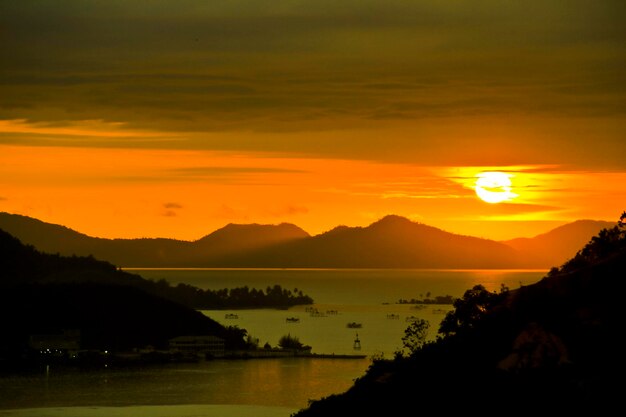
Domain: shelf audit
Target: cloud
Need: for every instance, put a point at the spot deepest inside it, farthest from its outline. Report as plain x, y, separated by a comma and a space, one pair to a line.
211, 171
171, 209
507, 209
317, 66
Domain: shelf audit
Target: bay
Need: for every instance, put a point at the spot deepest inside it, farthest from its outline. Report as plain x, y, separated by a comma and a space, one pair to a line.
277, 386
350, 286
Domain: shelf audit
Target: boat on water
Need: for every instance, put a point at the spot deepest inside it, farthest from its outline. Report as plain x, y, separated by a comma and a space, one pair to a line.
231, 316
314, 312
292, 319
393, 316
354, 325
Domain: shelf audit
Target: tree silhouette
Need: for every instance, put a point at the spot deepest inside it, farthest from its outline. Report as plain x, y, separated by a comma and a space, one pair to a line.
290, 342
469, 310
414, 337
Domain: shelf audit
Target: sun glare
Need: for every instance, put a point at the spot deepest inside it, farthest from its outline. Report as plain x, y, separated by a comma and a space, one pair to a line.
494, 187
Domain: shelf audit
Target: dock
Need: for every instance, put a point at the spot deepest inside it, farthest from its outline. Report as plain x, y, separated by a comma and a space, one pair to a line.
263, 354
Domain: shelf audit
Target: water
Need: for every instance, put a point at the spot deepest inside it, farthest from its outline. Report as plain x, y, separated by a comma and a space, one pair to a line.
260, 387
350, 286
287, 382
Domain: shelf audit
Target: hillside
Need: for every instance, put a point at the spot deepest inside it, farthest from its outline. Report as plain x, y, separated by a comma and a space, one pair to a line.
550, 347
559, 244
158, 252
392, 242
21, 264
42, 293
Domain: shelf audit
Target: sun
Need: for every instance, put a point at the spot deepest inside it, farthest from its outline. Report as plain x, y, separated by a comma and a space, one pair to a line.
494, 187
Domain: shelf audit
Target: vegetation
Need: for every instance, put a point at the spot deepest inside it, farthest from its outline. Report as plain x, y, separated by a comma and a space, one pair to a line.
109, 317
290, 342
606, 243
20, 264
439, 299
550, 347
46, 294
240, 297
414, 337
470, 309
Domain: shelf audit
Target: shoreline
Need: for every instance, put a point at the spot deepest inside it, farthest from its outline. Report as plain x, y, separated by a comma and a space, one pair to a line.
116, 361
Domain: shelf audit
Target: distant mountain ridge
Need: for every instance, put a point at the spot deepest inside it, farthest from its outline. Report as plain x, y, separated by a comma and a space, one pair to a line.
391, 242
560, 243
149, 252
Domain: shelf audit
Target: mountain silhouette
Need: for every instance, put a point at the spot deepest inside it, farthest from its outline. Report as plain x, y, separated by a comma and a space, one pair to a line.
557, 245
391, 242
158, 252
553, 347
43, 294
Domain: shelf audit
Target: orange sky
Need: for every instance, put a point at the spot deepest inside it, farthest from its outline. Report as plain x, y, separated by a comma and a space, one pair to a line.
186, 194
121, 120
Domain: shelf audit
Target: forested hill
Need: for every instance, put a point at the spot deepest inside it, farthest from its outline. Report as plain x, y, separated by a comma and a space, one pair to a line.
45, 294
549, 348
24, 264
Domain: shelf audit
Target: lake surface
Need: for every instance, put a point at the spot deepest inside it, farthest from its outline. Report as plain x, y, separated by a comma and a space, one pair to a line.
258, 387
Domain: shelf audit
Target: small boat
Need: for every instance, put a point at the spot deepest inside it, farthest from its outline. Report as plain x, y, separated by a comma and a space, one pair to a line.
292, 319
439, 311
316, 313
393, 316
354, 325
412, 318
231, 316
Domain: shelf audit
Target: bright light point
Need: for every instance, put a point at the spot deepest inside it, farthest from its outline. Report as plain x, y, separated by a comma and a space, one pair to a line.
494, 187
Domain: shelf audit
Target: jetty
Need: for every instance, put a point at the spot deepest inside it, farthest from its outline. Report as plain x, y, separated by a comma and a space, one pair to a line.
286, 353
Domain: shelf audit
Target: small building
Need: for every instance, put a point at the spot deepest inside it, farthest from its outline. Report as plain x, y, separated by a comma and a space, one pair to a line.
56, 344
207, 345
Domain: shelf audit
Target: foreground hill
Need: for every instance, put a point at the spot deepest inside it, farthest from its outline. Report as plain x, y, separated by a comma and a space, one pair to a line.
45, 294
551, 347
392, 242
20, 264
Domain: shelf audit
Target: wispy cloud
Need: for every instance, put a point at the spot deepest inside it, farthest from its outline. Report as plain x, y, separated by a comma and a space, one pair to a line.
317, 66
171, 209
90, 128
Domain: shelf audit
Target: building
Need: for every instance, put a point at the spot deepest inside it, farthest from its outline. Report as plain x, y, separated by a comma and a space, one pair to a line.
56, 344
207, 345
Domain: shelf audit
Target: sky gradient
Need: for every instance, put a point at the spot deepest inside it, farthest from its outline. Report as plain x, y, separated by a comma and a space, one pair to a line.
173, 118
